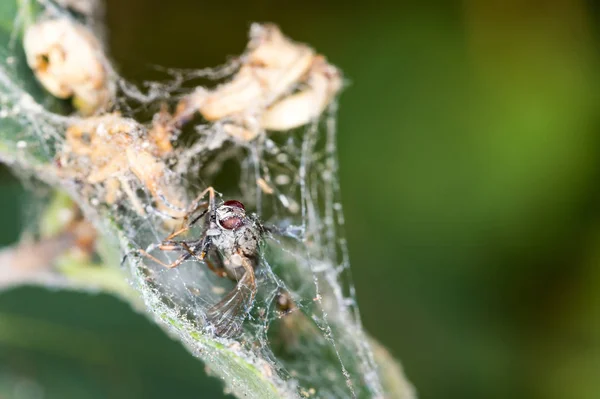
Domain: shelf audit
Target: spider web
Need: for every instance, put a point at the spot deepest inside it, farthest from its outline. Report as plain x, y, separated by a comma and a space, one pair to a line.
289, 180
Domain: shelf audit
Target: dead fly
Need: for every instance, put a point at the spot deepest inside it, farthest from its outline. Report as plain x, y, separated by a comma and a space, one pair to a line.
229, 246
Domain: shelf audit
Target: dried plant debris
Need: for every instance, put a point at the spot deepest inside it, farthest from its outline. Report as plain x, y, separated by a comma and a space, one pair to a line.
279, 86
84, 7
68, 61
106, 153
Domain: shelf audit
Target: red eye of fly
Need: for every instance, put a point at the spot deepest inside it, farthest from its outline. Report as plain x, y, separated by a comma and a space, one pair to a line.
232, 223
235, 204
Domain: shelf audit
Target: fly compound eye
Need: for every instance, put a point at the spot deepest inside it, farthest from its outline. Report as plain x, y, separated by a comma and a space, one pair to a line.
235, 204
232, 223
233, 215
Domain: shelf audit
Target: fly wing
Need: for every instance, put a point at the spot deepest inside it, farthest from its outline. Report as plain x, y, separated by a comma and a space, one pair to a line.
228, 315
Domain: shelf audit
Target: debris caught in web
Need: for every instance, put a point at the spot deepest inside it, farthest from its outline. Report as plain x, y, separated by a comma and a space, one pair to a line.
263, 134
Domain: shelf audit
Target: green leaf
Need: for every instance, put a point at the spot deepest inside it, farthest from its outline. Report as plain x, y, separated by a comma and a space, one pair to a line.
25, 104
31, 126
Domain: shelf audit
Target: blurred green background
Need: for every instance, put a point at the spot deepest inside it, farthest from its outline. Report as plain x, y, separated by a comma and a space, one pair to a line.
469, 149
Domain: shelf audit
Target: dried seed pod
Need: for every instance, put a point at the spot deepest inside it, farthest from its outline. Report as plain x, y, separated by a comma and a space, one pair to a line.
68, 61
